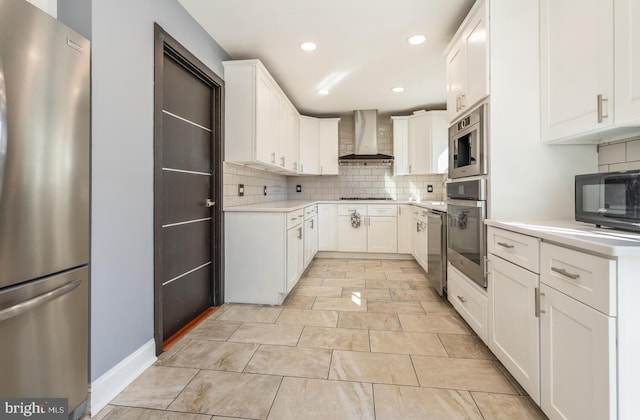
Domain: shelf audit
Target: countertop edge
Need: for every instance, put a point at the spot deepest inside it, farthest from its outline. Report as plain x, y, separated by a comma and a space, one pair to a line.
579, 235
293, 205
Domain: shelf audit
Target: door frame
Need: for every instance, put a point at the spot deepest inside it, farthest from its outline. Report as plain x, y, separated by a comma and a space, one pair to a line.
164, 44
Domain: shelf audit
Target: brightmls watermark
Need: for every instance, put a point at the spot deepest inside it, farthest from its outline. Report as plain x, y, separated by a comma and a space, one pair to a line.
34, 408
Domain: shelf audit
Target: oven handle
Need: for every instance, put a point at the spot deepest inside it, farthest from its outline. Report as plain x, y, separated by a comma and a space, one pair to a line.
466, 203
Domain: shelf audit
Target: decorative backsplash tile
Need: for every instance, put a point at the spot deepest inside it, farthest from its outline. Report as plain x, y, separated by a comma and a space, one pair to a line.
367, 181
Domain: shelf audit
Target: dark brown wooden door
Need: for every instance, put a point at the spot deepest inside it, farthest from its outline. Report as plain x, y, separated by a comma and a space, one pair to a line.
187, 160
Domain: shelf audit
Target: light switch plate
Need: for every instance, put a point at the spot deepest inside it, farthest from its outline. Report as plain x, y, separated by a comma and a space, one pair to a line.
298, 188
240, 190
430, 188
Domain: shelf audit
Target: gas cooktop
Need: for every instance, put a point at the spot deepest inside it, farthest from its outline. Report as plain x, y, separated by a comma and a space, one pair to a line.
367, 198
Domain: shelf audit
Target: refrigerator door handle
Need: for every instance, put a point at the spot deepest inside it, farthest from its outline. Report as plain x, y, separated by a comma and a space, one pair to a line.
3, 126
22, 307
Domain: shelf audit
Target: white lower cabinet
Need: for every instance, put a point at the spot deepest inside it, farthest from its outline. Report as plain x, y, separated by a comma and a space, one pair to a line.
352, 237
420, 239
468, 300
578, 359
310, 236
295, 255
382, 234
328, 222
405, 229
513, 322
255, 273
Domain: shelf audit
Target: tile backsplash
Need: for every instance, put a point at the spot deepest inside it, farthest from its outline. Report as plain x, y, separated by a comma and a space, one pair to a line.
367, 181
352, 181
623, 156
254, 181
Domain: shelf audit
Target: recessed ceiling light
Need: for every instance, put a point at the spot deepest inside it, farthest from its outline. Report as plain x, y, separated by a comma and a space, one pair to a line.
308, 46
417, 39
323, 92
397, 89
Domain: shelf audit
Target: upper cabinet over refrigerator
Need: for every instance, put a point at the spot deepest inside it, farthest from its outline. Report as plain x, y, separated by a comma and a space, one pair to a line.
590, 79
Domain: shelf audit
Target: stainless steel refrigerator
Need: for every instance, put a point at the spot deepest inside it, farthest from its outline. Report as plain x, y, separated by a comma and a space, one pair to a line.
44, 206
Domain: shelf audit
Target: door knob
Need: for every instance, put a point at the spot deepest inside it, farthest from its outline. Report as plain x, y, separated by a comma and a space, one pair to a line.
209, 203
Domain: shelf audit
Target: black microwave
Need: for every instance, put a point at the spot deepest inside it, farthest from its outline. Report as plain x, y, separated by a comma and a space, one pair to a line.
609, 199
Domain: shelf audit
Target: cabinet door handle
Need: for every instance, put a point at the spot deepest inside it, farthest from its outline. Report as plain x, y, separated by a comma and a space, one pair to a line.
461, 299
311, 223
409, 168
601, 115
565, 273
273, 158
537, 295
282, 161
506, 245
302, 168
399, 211
299, 233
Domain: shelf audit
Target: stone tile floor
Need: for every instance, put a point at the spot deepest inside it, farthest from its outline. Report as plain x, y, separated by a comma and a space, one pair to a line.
356, 339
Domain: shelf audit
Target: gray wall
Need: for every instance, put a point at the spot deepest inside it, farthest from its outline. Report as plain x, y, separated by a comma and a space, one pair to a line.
122, 36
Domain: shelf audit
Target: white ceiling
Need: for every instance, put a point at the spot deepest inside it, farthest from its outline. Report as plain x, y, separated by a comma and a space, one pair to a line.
362, 48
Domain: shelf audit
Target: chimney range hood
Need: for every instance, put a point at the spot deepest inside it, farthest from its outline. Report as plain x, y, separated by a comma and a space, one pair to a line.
366, 140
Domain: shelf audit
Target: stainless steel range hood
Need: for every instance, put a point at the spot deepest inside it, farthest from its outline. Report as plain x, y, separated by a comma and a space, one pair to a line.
366, 140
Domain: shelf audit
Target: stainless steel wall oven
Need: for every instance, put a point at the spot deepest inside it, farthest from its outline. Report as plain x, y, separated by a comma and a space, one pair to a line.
468, 144
466, 212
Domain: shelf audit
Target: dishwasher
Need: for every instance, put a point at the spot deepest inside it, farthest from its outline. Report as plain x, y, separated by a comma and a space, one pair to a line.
437, 250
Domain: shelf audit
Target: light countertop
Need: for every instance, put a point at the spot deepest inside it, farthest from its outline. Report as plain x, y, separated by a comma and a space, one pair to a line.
614, 243
292, 205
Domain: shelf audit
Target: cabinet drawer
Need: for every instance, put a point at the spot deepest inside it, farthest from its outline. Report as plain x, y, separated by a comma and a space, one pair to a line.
587, 278
348, 209
519, 249
382, 210
470, 303
294, 218
310, 211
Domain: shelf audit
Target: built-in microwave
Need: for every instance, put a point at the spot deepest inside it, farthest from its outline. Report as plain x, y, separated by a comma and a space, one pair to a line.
609, 199
468, 144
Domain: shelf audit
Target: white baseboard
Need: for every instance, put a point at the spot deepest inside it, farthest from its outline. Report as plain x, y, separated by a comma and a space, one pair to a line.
107, 386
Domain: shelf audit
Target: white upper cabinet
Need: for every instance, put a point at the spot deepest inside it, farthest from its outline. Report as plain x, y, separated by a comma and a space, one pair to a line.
328, 129
468, 63
400, 145
627, 60
318, 146
420, 143
576, 66
309, 145
260, 122
581, 68
291, 141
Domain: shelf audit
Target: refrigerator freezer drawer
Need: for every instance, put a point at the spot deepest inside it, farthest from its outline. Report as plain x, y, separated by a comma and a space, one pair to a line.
44, 329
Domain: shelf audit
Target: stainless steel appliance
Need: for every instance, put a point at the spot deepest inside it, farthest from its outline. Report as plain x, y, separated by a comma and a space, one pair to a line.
609, 199
468, 144
466, 238
44, 207
437, 250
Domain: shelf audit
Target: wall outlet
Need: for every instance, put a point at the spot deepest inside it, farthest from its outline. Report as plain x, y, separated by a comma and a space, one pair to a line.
264, 191
430, 188
240, 190
298, 188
